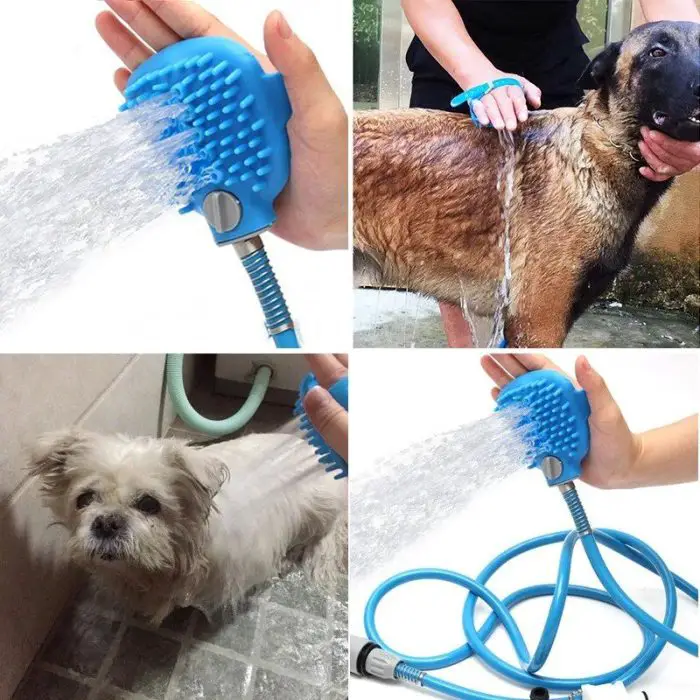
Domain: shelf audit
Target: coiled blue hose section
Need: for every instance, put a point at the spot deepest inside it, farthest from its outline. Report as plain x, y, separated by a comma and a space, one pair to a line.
271, 299
656, 634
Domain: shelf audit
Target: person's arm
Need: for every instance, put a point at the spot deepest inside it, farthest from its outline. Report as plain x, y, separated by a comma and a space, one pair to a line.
667, 455
677, 10
441, 29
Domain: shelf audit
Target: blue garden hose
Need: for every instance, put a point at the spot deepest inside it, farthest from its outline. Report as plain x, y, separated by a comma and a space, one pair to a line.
546, 395
216, 428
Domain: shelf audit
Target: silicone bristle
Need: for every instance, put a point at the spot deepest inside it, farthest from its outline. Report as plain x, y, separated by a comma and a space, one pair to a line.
326, 457
221, 109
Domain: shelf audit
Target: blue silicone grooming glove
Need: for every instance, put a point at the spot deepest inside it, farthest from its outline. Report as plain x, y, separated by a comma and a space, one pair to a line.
556, 417
479, 91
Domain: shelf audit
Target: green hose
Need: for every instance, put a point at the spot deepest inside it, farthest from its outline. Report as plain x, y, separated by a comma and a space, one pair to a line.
215, 428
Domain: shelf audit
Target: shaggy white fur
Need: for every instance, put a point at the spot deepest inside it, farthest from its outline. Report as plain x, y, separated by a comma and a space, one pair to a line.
163, 524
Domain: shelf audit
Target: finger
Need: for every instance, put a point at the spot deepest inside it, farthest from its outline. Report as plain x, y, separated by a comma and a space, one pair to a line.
683, 149
121, 78
597, 392
188, 19
304, 79
532, 93
492, 111
652, 161
144, 22
497, 374
128, 47
329, 418
343, 359
326, 368
677, 162
505, 106
480, 112
510, 363
517, 98
495, 393
649, 174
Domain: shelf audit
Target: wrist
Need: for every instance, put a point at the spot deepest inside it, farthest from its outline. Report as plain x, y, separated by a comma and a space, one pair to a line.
474, 72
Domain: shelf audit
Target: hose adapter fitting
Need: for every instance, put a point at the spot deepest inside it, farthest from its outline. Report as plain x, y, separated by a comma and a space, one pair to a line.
556, 422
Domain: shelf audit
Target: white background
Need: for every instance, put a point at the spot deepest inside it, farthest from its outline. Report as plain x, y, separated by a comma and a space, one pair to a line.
402, 397
169, 287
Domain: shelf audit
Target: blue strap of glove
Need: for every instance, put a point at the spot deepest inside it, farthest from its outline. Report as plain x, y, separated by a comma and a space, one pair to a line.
479, 91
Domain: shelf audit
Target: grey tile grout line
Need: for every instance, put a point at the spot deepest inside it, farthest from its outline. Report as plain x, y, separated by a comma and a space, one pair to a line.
108, 661
62, 672
185, 646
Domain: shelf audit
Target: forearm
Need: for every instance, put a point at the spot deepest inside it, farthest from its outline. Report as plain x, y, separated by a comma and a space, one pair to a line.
667, 455
678, 10
441, 29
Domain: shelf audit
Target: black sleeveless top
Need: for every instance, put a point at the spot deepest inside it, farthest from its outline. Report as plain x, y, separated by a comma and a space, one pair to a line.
538, 39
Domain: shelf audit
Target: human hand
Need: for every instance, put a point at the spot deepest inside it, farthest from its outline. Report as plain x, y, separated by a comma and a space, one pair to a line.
666, 157
312, 209
503, 107
614, 449
326, 414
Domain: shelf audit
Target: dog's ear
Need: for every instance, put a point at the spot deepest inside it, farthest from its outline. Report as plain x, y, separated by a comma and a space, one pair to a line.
48, 458
601, 69
198, 478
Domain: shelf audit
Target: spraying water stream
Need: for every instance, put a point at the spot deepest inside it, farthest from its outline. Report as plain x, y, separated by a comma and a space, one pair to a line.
406, 495
61, 201
506, 177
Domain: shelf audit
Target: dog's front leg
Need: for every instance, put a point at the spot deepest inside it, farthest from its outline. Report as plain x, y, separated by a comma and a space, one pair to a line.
541, 314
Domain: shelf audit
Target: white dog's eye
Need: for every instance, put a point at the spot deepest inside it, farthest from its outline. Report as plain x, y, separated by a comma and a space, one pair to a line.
85, 499
148, 504
657, 52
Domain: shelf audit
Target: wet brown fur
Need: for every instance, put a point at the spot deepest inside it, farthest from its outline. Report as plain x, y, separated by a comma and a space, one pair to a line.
428, 213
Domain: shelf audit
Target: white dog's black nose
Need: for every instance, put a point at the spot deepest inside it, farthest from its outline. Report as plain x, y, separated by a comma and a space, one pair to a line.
108, 526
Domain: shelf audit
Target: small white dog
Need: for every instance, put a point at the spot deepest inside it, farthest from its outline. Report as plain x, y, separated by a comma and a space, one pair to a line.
163, 524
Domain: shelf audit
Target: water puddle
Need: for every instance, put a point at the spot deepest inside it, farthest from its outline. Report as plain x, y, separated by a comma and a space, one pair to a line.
603, 325
61, 201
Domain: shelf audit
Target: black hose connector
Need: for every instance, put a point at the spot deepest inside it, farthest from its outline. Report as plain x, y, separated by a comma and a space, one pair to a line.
362, 658
539, 694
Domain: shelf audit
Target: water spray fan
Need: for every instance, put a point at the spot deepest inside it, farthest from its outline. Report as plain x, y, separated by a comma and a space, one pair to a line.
242, 158
330, 459
554, 419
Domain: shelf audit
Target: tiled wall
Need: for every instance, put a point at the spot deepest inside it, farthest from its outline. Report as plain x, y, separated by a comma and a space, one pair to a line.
111, 393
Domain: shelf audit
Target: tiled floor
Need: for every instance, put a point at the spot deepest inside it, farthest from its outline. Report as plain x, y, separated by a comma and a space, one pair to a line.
288, 643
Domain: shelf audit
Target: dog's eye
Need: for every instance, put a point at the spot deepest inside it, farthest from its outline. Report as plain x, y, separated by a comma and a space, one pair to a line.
148, 505
657, 52
85, 499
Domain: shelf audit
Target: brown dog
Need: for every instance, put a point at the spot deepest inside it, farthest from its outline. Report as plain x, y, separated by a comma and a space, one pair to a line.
428, 214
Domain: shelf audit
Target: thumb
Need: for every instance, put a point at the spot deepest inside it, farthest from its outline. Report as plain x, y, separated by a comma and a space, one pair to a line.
599, 396
304, 79
329, 418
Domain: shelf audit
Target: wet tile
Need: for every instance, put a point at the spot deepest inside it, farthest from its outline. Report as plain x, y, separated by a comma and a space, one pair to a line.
296, 591
144, 663
339, 657
297, 642
177, 620
81, 642
230, 629
44, 685
272, 685
211, 676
